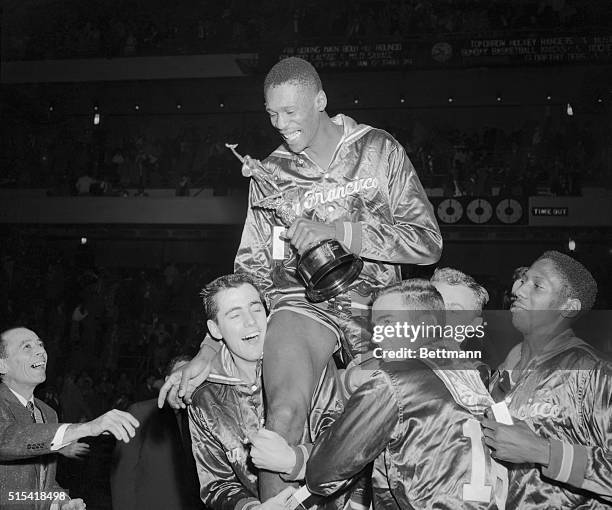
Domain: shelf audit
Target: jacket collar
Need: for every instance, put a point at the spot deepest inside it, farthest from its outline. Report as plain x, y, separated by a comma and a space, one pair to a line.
562, 342
22, 400
18, 410
225, 371
351, 130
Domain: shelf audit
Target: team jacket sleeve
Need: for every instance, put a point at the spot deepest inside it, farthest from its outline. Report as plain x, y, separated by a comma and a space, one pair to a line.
588, 467
220, 489
254, 255
356, 438
413, 236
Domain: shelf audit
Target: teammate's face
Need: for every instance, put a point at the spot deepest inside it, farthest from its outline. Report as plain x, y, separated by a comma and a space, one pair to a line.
460, 303
295, 112
390, 310
537, 297
26, 362
241, 321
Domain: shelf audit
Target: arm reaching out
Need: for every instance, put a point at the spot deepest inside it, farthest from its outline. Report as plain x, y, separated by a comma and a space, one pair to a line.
181, 383
120, 424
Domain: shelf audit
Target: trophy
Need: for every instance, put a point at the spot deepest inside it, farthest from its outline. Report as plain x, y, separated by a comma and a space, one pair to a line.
327, 268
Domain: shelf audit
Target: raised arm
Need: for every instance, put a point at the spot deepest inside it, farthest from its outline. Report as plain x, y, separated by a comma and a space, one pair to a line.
180, 384
366, 426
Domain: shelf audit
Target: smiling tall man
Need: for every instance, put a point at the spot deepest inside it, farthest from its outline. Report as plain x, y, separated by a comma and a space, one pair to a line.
346, 181
559, 392
30, 433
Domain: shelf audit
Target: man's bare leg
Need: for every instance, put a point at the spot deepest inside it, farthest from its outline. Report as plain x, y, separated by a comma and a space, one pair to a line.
296, 351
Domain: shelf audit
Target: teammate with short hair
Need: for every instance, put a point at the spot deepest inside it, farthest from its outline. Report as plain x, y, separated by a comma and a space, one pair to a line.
417, 419
464, 299
559, 392
460, 292
227, 415
229, 406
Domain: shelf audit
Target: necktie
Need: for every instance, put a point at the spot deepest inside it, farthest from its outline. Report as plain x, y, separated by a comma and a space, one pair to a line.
37, 418
35, 413
30, 407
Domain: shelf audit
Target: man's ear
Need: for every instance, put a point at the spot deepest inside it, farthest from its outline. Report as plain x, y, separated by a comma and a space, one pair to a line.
478, 321
213, 329
3, 366
571, 308
321, 101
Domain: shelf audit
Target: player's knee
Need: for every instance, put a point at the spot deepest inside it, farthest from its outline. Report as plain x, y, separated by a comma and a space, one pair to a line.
286, 418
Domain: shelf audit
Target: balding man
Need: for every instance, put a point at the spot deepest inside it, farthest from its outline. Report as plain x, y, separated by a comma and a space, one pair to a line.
30, 433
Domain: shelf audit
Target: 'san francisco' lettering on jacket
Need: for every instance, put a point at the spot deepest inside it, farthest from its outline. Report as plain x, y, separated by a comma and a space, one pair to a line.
314, 198
539, 410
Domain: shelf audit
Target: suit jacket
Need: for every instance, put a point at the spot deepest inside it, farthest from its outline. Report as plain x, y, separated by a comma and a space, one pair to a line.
155, 470
25, 447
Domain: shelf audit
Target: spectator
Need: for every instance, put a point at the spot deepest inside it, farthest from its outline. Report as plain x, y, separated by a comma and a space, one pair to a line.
83, 184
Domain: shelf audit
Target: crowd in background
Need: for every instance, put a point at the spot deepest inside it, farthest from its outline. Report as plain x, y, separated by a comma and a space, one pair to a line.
192, 159
73, 29
535, 158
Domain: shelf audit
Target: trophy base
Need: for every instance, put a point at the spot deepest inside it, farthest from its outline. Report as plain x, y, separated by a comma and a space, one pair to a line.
328, 269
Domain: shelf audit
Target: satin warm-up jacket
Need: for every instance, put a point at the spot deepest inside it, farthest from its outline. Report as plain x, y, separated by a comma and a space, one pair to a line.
370, 193
418, 420
224, 412
565, 396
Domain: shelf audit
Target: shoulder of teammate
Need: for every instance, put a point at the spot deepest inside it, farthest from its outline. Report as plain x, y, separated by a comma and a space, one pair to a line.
407, 369
381, 136
395, 375
205, 394
215, 388
582, 357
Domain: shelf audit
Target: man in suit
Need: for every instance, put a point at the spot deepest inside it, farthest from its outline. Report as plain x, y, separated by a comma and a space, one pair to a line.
30, 433
156, 470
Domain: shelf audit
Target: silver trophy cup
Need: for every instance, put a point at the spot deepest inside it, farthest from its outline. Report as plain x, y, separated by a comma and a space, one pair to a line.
327, 268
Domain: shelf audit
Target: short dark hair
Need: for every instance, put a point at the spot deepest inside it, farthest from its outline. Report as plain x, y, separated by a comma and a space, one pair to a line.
228, 281
176, 359
455, 277
293, 69
417, 294
518, 273
577, 281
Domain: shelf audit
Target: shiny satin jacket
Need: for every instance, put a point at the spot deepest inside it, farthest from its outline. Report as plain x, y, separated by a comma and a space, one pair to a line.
370, 193
224, 411
427, 446
565, 396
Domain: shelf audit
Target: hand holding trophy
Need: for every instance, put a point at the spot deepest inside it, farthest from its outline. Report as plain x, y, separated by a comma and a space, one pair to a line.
327, 268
